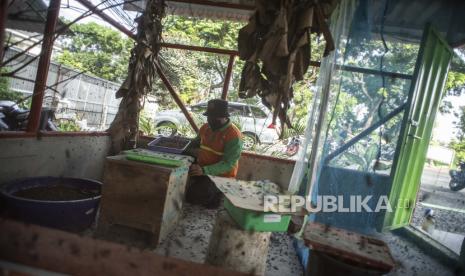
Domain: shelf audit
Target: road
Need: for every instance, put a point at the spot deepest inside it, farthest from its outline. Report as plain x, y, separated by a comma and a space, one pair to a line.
448, 207
435, 189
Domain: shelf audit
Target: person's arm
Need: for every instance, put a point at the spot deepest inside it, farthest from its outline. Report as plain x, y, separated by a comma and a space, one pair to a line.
232, 153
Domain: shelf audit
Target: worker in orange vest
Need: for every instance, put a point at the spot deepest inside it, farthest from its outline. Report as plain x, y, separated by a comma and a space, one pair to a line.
219, 144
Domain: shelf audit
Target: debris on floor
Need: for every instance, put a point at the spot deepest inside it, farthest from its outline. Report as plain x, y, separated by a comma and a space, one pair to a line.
410, 260
189, 241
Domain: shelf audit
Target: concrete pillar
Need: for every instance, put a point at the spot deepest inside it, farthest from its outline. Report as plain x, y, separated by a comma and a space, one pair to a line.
236, 249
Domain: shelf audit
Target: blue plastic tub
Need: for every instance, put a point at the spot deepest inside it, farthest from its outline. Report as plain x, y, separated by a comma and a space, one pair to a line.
71, 215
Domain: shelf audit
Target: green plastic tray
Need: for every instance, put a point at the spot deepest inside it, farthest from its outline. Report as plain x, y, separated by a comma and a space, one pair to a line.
153, 160
257, 221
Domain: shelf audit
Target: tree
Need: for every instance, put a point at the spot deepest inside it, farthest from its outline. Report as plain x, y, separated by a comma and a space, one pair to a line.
96, 50
197, 76
6, 94
364, 98
455, 84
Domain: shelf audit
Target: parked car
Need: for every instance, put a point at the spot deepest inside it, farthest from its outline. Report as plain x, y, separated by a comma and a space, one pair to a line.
254, 121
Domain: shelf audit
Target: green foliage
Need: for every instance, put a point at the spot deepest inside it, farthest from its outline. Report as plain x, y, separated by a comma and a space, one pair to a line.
460, 124
4, 84
455, 85
363, 99
197, 76
5, 92
146, 125
361, 157
296, 130
68, 125
96, 50
8, 95
455, 82
459, 147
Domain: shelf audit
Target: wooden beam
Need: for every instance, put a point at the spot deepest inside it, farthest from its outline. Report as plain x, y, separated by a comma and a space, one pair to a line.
227, 77
176, 98
200, 49
68, 253
217, 4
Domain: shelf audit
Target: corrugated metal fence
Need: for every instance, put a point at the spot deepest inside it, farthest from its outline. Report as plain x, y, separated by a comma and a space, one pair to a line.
77, 95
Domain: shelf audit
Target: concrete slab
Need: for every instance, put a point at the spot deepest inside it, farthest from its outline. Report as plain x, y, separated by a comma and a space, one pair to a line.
72, 156
411, 260
452, 241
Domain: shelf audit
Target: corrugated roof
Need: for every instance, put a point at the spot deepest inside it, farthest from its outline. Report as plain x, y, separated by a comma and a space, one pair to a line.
406, 19
27, 15
236, 10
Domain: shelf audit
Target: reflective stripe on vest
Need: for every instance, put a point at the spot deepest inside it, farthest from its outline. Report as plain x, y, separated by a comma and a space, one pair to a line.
211, 150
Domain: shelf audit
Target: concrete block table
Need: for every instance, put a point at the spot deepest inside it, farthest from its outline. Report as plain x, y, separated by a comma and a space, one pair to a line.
233, 248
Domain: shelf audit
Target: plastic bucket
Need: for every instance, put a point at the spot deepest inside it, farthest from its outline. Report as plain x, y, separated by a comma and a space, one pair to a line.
72, 215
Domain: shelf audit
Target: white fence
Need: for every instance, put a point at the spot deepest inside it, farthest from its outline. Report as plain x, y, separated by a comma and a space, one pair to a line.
76, 96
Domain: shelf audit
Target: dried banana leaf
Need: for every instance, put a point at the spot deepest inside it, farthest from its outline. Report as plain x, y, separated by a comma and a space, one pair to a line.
276, 46
141, 76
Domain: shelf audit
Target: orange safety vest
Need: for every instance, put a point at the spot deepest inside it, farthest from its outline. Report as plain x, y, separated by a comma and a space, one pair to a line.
212, 144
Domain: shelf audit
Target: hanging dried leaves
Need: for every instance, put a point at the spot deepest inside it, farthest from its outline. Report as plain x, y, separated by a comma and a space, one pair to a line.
276, 47
141, 75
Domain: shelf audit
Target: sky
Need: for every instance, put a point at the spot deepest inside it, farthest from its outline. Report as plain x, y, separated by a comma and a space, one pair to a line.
445, 130
71, 9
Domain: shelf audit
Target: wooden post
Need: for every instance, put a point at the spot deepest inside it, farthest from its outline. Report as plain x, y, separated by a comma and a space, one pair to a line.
236, 249
42, 68
227, 77
3, 18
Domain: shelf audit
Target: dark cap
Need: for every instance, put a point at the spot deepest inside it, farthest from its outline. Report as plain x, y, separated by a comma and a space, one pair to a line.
217, 108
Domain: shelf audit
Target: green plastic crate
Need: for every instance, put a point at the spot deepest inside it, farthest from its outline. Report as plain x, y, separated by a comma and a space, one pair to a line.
257, 221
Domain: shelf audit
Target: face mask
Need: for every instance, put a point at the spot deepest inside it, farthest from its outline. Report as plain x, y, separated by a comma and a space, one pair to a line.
214, 123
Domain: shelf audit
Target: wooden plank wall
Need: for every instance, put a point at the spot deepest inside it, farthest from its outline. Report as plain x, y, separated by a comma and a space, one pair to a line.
68, 253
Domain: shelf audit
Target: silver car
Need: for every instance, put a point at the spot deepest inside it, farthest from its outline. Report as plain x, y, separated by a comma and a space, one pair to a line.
255, 122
